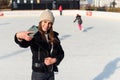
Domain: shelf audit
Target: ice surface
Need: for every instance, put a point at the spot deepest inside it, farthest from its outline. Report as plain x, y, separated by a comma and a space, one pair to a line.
91, 54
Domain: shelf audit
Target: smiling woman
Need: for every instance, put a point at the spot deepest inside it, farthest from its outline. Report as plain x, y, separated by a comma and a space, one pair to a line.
45, 47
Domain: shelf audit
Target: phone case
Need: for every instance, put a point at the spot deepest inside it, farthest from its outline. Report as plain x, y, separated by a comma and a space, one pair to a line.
34, 29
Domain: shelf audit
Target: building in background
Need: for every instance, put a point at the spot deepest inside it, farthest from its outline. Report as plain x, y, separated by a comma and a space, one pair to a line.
43, 4
83, 2
106, 3
54, 4
4, 3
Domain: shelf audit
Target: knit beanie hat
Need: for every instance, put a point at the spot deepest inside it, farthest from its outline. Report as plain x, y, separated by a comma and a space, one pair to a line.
47, 15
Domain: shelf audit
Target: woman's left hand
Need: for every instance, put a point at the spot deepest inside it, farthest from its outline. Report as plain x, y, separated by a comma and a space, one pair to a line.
49, 60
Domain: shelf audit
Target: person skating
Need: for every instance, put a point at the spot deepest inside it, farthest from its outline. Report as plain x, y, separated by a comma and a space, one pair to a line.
79, 20
60, 9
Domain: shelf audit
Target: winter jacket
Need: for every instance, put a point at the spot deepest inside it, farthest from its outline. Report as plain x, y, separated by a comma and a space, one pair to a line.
40, 49
60, 8
79, 19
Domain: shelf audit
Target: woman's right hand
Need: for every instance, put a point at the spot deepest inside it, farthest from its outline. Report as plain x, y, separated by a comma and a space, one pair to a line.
24, 35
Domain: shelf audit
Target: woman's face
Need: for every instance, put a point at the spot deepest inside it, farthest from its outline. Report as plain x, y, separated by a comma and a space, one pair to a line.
46, 25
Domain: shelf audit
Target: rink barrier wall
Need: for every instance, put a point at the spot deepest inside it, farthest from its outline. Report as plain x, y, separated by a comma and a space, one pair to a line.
56, 13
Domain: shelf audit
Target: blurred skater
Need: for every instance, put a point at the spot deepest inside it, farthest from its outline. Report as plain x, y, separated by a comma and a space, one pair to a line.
78, 17
60, 9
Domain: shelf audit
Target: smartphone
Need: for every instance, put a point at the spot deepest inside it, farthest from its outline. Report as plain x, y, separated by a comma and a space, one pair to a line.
34, 29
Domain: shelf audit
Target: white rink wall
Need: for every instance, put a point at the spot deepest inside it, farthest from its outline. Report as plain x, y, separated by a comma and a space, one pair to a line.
65, 13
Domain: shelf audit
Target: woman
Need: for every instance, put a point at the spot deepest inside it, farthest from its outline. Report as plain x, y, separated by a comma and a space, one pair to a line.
78, 18
45, 46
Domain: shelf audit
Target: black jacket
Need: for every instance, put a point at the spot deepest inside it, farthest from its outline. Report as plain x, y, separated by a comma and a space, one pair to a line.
40, 49
79, 19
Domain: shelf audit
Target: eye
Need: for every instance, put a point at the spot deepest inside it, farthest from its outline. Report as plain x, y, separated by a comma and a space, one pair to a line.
47, 22
50, 23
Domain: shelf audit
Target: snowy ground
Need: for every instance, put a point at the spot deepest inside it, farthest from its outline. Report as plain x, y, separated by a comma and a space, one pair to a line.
93, 54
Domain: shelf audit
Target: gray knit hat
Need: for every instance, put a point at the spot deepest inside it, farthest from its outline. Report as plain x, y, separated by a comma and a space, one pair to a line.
47, 15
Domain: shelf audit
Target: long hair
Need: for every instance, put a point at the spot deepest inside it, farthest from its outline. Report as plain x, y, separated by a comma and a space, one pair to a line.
50, 33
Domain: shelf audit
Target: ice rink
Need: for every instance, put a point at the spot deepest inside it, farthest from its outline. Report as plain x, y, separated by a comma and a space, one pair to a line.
92, 54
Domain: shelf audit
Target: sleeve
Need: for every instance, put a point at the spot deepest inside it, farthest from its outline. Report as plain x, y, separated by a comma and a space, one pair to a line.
60, 55
22, 43
59, 52
75, 20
